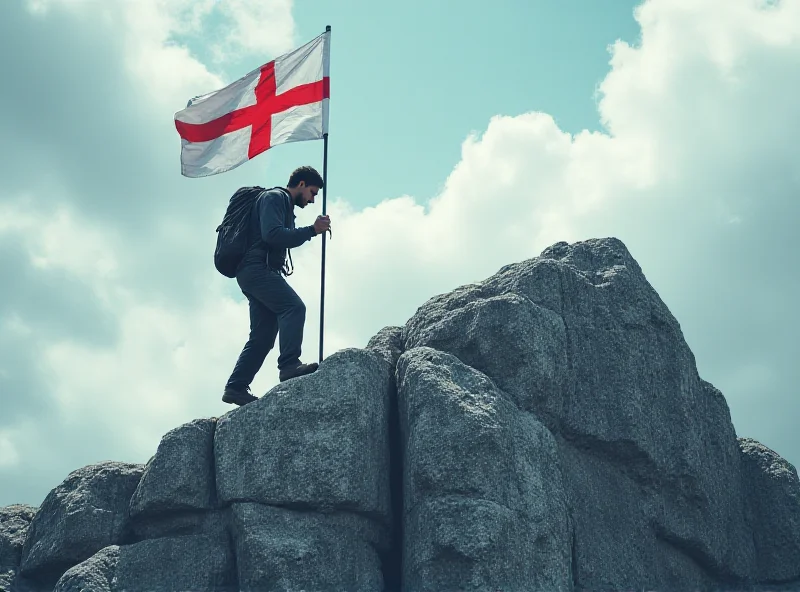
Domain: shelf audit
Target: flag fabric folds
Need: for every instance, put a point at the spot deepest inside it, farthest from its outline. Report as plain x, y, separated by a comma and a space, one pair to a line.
283, 101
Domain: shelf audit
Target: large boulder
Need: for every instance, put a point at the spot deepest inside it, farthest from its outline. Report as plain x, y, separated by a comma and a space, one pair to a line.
180, 476
388, 343
484, 501
317, 442
281, 549
580, 339
521, 345
14, 523
177, 492
88, 511
773, 495
313, 452
199, 563
96, 573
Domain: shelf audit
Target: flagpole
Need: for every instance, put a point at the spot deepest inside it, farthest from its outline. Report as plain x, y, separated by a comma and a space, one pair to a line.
324, 235
324, 212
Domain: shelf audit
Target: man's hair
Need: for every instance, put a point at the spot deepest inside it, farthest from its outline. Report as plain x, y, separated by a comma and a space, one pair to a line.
307, 174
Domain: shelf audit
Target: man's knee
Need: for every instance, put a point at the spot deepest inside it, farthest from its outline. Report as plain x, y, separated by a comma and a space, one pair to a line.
262, 339
298, 309
263, 332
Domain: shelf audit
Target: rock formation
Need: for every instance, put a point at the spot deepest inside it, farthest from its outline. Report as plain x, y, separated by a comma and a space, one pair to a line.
545, 429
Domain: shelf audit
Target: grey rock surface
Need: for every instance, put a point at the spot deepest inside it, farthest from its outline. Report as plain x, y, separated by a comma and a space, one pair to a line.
279, 549
14, 522
485, 507
544, 429
615, 546
315, 442
180, 476
180, 523
773, 494
85, 513
580, 339
177, 493
521, 345
198, 563
96, 573
388, 343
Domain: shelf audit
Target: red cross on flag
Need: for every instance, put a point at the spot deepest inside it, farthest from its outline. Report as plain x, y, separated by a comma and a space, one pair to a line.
283, 101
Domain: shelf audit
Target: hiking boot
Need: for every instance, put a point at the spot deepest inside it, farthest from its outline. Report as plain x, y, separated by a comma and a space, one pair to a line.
300, 370
238, 396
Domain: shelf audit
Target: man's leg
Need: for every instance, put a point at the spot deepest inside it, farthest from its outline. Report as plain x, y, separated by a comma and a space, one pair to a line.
274, 292
263, 330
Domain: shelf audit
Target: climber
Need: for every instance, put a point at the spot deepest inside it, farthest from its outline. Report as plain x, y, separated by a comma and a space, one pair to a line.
274, 306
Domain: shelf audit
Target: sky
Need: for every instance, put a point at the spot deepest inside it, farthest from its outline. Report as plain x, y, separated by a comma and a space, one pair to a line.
456, 147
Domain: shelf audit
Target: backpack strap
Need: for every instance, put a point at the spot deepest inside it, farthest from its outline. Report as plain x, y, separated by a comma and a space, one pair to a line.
286, 269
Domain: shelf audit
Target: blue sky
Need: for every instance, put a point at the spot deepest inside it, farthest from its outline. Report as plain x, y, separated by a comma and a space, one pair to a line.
410, 81
456, 147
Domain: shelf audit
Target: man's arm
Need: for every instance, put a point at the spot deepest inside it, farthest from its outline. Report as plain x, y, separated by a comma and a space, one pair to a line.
272, 212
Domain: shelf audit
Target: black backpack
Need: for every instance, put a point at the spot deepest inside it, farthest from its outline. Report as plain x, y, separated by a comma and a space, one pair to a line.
233, 235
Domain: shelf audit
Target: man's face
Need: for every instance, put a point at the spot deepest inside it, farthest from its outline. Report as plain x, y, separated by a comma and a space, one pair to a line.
307, 194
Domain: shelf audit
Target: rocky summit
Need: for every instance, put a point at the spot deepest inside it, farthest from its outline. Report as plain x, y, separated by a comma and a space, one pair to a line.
545, 429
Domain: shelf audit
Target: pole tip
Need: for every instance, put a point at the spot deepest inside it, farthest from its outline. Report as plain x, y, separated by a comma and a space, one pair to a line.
328, 28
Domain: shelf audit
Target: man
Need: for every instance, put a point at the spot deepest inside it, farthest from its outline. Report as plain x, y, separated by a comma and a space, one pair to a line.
274, 305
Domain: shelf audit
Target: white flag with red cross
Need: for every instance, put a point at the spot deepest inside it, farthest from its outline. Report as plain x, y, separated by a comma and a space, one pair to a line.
283, 101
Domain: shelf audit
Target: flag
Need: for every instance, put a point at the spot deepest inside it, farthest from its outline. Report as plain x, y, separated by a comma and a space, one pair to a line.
283, 101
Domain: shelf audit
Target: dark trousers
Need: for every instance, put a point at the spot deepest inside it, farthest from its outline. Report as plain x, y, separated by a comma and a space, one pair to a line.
274, 308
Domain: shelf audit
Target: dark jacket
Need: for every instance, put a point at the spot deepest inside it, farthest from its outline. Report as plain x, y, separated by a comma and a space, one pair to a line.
274, 230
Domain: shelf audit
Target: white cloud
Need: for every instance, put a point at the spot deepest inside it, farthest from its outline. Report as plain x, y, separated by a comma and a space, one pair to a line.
56, 239
168, 367
14, 325
155, 34
257, 26
701, 122
42, 7
8, 451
